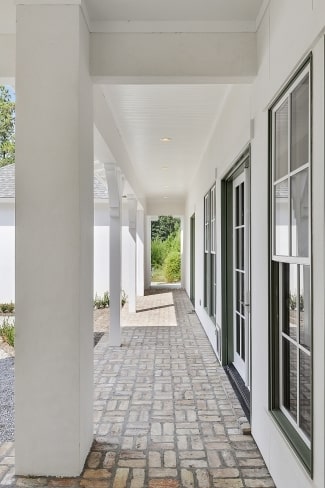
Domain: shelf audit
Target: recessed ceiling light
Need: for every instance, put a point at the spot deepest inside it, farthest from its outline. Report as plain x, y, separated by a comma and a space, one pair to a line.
165, 196
165, 139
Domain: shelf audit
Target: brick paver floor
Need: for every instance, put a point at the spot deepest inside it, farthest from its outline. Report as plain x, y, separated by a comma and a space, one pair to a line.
165, 413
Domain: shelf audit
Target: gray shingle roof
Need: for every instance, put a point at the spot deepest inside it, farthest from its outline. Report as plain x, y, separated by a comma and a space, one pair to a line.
7, 181
7, 184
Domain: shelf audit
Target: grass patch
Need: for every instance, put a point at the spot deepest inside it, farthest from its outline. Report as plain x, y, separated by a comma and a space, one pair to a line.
158, 274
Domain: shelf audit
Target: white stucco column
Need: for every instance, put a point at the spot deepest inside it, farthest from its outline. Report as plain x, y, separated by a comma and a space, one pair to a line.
54, 240
140, 252
132, 217
115, 242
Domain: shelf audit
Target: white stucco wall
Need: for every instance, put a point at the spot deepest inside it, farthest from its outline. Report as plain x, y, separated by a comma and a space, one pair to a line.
7, 251
288, 32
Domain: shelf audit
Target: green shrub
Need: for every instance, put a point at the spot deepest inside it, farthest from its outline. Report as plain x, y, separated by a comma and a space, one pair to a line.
123, 298
173, 243
172, 266
158, 253
7, 332
101, 302
7, 307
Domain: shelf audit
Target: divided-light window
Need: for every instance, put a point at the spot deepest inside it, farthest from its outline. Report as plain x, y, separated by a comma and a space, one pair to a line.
210, 283
291, 299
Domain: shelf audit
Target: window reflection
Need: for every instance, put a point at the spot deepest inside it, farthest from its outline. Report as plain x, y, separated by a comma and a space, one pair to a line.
305, 393
300, 124
304, 307
300, 214
281, 141
289, 304
290, 378
281, 218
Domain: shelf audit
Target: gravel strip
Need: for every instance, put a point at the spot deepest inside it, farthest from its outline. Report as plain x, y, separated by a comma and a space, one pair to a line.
7, 423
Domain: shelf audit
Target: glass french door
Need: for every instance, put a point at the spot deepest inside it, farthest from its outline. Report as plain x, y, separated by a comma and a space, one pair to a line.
240, 278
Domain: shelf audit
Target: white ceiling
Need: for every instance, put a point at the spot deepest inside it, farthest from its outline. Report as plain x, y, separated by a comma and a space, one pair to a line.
146, 113
185, 113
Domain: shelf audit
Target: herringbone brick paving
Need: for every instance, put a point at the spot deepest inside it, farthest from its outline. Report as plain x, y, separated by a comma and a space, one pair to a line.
165, 414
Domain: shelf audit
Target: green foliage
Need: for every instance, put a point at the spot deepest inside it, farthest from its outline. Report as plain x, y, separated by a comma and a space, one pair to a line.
158, 274
7, 307
158, 253
123, 298
101, 302
7, 332
172, 267
165, 245
7, 127
164, 227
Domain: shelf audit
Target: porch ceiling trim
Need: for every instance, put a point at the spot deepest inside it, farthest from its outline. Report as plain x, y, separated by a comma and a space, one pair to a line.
229, 57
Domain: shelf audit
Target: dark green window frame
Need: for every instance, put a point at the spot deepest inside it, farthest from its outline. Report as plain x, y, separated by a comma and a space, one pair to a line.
290, 257
210, 278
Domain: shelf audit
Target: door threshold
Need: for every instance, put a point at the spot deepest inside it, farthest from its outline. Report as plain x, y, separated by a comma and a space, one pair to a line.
241, 390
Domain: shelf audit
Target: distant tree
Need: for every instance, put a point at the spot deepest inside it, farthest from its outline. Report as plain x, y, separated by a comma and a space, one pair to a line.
164, 227
7, 127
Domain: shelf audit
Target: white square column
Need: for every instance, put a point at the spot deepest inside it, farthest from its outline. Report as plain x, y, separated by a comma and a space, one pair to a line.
140, 253
54, 240
114, 185
132, 217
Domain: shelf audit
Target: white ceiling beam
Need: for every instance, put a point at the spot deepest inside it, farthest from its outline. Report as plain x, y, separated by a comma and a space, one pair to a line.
176, 57
106, 127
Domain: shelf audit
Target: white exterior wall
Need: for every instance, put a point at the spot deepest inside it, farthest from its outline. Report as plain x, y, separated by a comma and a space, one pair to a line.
101, 248
7, 252
288, 32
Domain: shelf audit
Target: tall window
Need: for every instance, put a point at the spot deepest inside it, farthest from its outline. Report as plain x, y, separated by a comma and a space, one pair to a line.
290, 306
210, 284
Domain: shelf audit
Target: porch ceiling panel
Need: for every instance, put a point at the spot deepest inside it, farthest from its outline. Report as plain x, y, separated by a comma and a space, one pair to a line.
145, 114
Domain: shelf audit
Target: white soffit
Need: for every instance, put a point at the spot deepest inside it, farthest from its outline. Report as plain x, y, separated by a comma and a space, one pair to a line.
173, 15
145, 114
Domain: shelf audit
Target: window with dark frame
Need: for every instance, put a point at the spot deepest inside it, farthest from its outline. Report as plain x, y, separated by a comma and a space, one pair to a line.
210, 279
291, 299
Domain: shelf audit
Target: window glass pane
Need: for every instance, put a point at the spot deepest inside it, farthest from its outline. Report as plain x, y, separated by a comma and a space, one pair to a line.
237, 206
237, 244
281, 219
300, 124
238, 294
281, 141
242, 248
289, 300
300, 214
289, 377
242, 293
242, 205
304, 307
213, 283
243, 338
305, 393
238, 333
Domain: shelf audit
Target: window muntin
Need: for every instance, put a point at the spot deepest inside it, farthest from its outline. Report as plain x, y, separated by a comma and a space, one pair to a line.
291, 269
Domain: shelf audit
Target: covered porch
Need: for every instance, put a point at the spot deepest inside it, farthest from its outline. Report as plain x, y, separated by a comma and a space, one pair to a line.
165, 414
